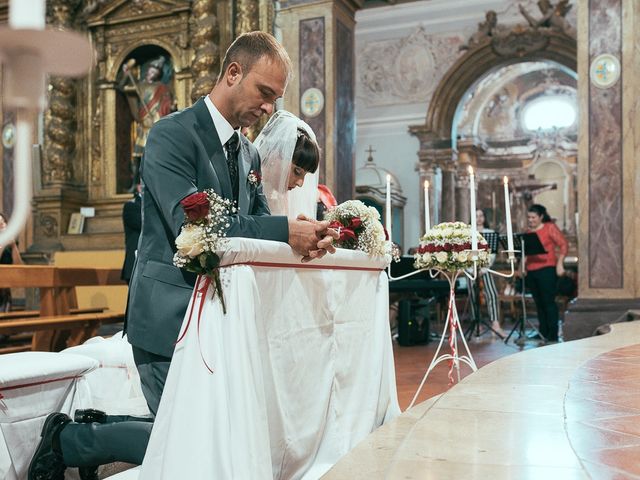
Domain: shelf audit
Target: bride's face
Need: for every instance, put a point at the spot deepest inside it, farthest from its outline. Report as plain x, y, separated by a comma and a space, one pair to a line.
296, 177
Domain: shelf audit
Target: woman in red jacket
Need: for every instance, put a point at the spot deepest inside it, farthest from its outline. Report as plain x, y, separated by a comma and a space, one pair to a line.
543, 270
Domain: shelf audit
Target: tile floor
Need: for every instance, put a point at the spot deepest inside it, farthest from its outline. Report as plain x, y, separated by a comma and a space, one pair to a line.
566, 411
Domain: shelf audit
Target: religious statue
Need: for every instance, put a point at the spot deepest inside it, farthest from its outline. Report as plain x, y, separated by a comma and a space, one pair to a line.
553, 16
485, 30
150, 97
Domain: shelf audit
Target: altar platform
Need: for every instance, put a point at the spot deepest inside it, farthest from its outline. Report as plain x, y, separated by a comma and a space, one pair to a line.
565, 411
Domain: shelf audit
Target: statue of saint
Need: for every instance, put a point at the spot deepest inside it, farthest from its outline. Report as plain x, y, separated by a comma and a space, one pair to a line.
150, 98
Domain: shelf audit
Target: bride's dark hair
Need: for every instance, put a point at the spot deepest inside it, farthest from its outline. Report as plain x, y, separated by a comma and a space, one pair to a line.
306, 154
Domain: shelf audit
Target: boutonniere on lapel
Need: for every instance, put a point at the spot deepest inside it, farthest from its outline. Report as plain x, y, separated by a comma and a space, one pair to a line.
254, 178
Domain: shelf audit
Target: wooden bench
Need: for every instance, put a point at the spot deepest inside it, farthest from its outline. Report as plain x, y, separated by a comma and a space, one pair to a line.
36, 313
82, 326
59, 323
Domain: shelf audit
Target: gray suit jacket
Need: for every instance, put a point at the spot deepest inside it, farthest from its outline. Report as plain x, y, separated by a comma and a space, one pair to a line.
183, 155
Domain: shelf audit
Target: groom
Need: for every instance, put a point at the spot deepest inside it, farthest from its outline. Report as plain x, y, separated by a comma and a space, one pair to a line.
186, 152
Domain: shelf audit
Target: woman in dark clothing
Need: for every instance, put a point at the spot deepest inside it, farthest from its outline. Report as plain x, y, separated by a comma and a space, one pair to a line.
10, 256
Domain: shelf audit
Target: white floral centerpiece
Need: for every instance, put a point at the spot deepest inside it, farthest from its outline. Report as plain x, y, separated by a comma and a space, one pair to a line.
359, 228
447, 247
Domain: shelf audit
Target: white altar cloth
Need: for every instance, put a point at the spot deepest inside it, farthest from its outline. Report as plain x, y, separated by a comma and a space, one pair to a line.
32, 385
302, 369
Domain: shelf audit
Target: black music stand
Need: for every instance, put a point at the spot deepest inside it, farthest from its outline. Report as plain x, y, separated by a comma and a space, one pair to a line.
492, 239
524, 244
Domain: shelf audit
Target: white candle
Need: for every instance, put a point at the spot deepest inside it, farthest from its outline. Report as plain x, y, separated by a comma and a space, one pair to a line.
27, 14
427, 223
472, 196
388, 207
507, 209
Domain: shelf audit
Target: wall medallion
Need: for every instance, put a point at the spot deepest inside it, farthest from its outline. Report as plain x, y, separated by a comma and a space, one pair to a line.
312, 102
605, 70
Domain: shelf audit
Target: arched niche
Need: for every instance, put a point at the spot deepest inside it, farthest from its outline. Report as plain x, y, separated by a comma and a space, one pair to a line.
145, 91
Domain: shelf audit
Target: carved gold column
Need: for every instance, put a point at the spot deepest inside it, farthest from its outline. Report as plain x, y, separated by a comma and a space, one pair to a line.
61, 190
251, 15
205, 42
60, 117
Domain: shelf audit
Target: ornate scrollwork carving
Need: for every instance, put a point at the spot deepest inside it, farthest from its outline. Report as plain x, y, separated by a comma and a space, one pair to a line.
404, 70
205, 40
48, 225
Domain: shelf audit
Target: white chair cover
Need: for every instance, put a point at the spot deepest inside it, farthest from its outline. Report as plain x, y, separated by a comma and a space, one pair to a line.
115, 386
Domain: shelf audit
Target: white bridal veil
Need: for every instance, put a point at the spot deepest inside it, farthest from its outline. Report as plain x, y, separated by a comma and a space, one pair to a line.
276, 143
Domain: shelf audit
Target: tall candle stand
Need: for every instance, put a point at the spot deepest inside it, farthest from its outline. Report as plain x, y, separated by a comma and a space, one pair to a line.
452, 324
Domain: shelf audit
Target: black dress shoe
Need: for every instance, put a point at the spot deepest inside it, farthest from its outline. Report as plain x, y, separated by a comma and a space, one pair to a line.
90, 415
47, 462
88, 473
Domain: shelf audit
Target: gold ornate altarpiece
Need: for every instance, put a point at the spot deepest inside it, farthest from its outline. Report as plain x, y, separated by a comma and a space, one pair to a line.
78, 161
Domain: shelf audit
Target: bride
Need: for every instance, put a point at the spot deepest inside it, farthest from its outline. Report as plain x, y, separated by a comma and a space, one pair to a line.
290, 158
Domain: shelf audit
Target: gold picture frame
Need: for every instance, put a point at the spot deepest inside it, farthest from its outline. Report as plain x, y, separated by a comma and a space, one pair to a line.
76, 224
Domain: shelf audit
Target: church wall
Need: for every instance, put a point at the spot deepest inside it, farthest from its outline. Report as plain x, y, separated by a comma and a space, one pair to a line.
402, 53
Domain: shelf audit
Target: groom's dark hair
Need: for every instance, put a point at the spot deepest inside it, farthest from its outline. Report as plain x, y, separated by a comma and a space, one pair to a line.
250, 47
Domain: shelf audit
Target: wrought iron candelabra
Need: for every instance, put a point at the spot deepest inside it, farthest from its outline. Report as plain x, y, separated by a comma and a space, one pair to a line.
452, 324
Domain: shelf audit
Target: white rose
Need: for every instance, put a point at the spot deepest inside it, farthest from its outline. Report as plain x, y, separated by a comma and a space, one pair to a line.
442, 257
190, 241
463, 256
426, 257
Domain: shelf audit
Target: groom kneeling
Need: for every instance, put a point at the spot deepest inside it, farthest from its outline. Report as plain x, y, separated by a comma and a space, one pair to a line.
189, 151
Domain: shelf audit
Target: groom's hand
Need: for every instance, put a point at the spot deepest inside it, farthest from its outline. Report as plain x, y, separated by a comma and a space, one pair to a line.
314, 243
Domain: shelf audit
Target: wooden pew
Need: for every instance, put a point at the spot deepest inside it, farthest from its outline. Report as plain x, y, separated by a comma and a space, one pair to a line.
57, 327
36, 313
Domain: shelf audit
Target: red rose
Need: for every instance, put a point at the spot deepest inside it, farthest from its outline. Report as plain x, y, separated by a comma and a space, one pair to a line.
196, 206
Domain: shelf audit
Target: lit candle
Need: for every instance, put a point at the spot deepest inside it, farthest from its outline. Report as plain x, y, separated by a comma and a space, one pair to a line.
27, 14
388, 207
427, 223
472, 196
507, 209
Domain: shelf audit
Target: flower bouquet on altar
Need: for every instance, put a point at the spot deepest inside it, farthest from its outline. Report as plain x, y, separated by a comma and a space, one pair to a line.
202, 235
447, 246
359, 228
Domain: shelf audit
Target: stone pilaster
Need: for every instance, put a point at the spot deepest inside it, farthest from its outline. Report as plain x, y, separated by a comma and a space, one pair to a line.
319, 36
608, 171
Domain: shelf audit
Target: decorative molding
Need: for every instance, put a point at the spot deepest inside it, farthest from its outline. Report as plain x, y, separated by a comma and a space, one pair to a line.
405, 70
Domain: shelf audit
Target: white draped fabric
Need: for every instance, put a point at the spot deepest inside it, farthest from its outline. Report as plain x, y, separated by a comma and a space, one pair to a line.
115, 386
32, 385
302, 369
